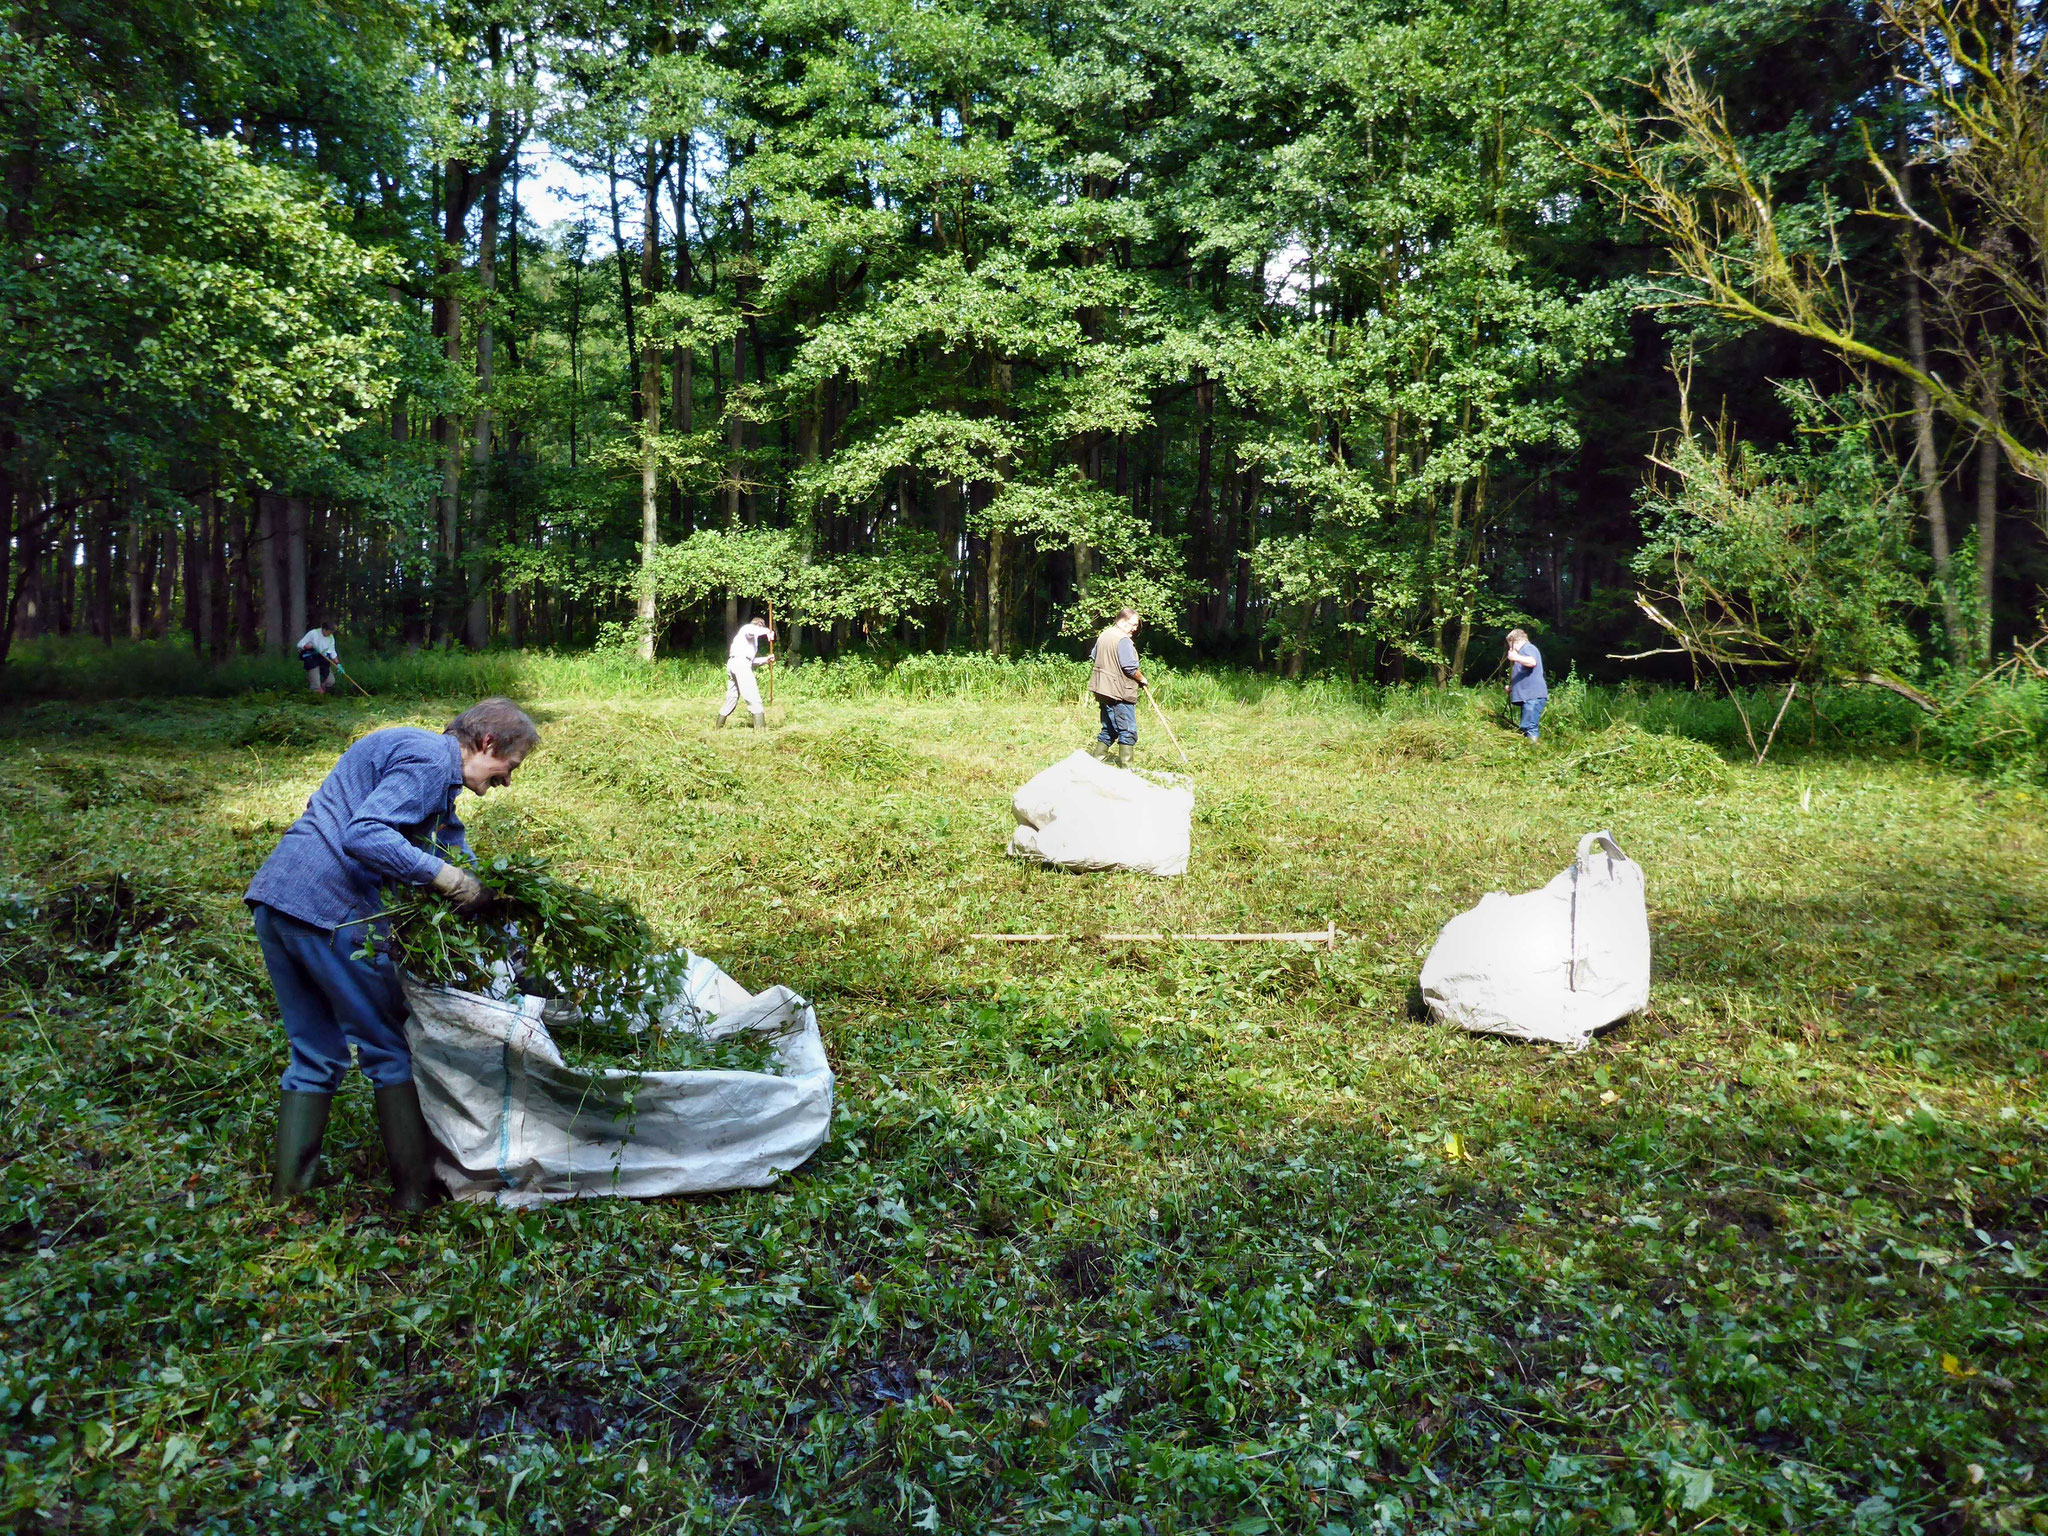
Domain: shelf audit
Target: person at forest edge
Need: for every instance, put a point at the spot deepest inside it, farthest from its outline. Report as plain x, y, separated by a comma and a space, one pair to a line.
1525, 681
320, 656
740, 661
384, 814
1115, 683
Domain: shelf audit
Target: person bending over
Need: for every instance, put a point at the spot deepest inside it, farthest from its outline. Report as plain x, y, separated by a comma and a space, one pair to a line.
1115, 683
384, 815
1525, 681
320, 656
740, 661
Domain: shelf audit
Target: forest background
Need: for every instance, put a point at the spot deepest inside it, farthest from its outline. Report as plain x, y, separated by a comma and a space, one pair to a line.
1336, 334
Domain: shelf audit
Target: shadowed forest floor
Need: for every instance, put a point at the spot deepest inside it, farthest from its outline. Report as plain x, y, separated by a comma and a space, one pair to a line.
1108, 1238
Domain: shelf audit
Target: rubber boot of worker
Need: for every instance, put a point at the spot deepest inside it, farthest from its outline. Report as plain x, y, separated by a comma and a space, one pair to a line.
760, 720
719, 723
295, 1160
1123, 754
1100, 749
408, 1146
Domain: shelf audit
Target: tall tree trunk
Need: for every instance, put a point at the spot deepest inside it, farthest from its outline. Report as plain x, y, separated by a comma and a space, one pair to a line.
1987, 520
650, 406
219, 598
735, 430
1201, 514
100, 558
478, 625
67, 573
138, 571
271, 563
682, 357
242, 578
457, 182
998, 591
297, 621
166, 557
1247, 527
1926, 458
195, 578
611, 167
10, 585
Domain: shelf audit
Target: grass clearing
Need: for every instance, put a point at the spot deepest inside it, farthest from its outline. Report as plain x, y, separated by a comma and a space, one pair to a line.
1145, 1238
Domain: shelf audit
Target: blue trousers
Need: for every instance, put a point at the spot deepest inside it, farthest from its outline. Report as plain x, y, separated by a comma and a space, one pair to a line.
1532, 714
330, 1000
1119, 723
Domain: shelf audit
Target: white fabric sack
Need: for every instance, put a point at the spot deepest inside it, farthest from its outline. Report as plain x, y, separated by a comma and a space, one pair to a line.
1555, 964
520, 1126
1083, 813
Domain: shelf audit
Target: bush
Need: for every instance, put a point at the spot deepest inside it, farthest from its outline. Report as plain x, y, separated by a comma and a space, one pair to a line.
2000, 731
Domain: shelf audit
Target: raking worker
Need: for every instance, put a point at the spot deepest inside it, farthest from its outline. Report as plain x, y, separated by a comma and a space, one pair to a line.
320, 656
741, 658
1115, 683
1526, 686
384, 814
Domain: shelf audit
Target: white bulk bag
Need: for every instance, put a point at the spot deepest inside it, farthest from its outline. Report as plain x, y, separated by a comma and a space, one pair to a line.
519, 1125
1082, 813
1554, 964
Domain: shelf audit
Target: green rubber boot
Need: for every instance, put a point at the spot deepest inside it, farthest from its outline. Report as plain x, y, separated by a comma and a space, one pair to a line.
1100, 749
295, 1162
408, 1146
1123, 754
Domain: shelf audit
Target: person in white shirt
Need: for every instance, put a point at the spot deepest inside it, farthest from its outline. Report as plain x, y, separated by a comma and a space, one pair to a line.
740, 661
320, 655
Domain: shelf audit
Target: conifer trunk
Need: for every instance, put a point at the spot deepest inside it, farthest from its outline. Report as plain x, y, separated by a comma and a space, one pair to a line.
650, 406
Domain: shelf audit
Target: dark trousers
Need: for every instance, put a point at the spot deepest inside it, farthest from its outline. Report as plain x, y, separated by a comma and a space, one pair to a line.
1119, 722
316, 663
331, 1000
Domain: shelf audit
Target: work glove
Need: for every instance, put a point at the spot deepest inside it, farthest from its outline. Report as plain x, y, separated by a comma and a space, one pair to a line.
470, 895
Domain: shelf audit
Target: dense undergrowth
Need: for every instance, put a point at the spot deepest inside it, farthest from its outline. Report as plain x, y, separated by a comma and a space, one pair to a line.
1141, 1238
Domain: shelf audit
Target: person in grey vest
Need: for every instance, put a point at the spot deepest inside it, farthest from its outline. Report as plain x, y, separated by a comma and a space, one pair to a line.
1525, 681
1115, 683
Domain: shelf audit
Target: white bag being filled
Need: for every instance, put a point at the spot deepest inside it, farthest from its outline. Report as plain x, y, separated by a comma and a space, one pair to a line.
1554, 964
519, 1125
1082, 813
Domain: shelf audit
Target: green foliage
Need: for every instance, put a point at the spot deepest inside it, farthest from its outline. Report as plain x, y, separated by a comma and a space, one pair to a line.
1999, 730
544, 937
1797, 562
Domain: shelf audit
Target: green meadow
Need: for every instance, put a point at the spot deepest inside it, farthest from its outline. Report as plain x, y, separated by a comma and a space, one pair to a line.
1109, 1237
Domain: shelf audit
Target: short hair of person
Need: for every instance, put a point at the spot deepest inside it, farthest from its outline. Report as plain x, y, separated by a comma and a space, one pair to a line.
1126, 613
504, 722
1518, 637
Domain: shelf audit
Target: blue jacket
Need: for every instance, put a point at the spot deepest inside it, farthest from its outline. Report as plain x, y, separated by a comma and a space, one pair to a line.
374, 819
1526, 683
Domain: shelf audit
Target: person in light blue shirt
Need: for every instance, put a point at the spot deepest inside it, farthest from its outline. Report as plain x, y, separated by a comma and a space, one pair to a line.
385, 815
1525, 681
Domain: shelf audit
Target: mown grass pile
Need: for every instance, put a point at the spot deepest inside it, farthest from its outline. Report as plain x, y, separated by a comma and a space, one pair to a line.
1136, 1238
621, 994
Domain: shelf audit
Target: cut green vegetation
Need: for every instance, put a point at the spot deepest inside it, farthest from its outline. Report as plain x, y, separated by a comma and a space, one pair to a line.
620, 993
1145, 1238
